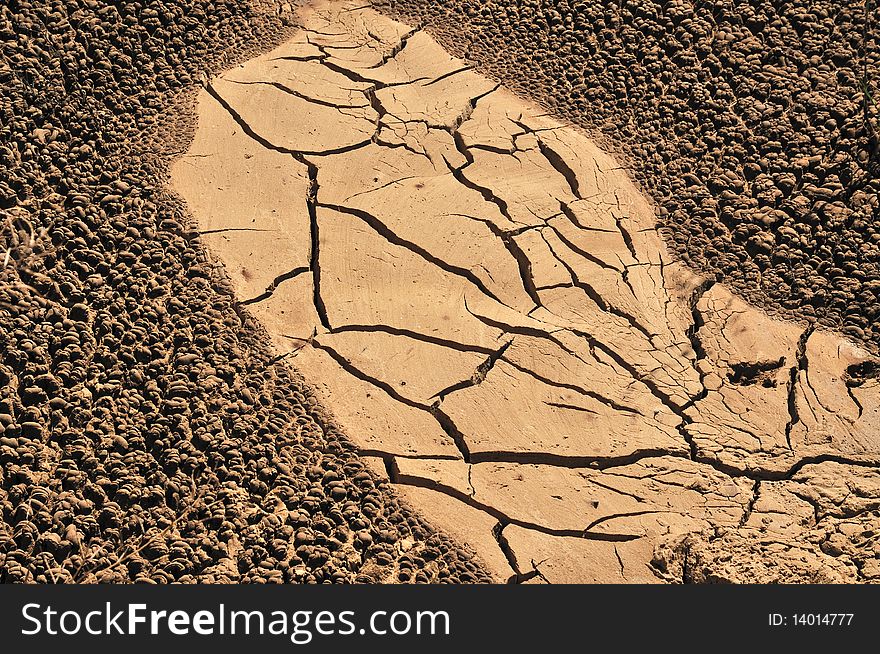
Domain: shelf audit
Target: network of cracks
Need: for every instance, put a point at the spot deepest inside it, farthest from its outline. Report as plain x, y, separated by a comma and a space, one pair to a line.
481, 297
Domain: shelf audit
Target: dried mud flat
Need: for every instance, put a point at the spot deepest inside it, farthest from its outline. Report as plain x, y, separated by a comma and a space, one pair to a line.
481, 297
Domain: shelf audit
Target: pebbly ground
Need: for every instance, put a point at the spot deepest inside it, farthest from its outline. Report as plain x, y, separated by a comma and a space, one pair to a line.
744, 119
146, 432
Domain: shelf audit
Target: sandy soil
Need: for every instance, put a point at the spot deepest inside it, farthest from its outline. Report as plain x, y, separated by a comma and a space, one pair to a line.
480, 295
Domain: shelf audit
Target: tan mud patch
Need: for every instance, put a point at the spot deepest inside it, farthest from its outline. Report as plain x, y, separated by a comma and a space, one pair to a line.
482, 297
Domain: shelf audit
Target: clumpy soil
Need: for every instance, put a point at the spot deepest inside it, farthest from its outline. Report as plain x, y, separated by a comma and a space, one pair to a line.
146, 431
745, 119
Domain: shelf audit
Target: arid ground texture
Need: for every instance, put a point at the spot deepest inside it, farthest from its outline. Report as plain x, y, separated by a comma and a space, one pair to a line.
436, 292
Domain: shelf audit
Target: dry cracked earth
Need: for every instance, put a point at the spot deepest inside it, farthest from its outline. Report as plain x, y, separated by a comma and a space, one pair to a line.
481, 297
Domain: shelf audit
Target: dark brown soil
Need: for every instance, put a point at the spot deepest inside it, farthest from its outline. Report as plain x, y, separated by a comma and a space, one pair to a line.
745, 119
146, 433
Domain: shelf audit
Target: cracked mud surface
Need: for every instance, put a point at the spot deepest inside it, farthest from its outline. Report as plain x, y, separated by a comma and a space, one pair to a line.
754, 125
481, 297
